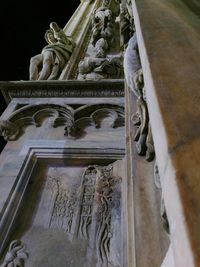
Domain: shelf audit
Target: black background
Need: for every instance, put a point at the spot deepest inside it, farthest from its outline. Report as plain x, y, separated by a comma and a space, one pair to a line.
22, 29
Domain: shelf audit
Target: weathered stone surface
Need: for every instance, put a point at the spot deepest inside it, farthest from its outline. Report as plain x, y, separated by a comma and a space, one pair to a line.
169, 40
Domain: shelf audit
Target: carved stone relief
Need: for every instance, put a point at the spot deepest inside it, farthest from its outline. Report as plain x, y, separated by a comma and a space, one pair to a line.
98, 64
79, 207
8, 130
100, 68
75, 121
16, 255
102, 31
135, 82
62, 205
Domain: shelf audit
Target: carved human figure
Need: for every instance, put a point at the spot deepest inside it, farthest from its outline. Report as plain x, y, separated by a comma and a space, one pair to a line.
102, 31
126, 25
134, 79
99, 68
53, 58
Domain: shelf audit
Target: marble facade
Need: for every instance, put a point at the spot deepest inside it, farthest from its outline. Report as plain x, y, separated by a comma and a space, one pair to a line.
101, 162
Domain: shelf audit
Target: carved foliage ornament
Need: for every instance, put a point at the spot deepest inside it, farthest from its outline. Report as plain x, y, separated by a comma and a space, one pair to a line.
16, 255
74, 120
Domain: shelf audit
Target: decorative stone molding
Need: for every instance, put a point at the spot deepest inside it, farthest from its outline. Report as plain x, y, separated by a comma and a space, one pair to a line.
100, 118
105, 88
16, 255
74, 120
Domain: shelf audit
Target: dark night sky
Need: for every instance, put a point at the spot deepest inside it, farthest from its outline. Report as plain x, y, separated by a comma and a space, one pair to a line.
22, 28
22, 32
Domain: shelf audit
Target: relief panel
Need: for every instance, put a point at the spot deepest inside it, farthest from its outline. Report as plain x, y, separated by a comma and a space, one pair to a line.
71, 216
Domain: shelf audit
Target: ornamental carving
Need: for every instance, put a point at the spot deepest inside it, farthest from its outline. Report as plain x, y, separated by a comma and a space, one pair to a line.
98, 65
9, 130
102, 31
135, 82
75, 121
63, 204
100, 195
92, 68
16, 255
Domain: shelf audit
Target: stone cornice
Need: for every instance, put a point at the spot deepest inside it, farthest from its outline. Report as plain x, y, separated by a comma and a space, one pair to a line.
21, 89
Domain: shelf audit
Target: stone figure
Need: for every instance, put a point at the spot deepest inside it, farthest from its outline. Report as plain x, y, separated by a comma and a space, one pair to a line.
126, 25
132, 65
100, 68
134, 79
102, 31
53, 58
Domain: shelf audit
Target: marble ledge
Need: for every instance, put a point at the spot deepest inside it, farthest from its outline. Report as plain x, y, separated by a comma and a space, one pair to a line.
69, 88
169, 40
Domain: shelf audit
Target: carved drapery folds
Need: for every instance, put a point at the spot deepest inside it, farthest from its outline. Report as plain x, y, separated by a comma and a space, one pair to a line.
127, 27
49, 64
135, 82
16, 255
75, 121
100, 68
